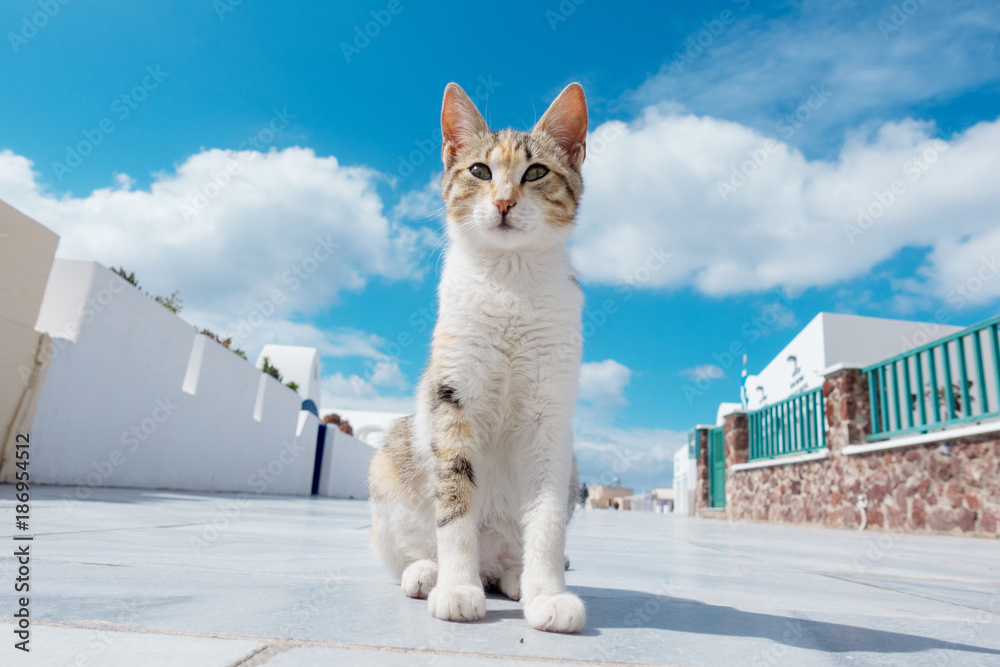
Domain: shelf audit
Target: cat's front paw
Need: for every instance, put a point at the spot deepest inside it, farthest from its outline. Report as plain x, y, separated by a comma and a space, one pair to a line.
562, 612
460, 603
419, 578
510, 583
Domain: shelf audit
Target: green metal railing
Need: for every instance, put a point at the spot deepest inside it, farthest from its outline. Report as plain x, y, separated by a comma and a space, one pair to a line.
793, 426
952, 380
716, 468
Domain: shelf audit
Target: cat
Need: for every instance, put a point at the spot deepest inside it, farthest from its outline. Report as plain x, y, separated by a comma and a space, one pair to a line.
477, 487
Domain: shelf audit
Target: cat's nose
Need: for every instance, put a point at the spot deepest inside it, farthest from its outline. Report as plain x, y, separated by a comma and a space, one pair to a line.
504, 205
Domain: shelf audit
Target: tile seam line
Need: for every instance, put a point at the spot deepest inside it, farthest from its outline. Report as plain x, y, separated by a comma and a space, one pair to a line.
109, 530
801, 570
916, 595
850, 581
213, 570
261, 656
318, 643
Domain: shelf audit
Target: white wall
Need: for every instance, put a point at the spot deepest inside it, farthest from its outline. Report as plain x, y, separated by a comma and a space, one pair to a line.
135, 397
344, 473
831, 339
27, 250
685, 481
295, 364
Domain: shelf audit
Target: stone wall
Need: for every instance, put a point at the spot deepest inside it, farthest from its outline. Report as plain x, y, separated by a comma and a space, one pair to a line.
737, 443
951, 487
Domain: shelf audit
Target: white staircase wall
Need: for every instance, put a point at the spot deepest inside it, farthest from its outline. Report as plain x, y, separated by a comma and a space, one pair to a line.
136, 397
344, 472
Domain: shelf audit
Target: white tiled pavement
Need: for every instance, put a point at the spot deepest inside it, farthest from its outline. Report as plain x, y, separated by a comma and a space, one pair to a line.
147, 578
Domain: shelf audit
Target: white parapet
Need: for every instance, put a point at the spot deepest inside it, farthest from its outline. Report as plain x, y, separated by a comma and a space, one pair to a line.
344, 472
135, 397
296, 364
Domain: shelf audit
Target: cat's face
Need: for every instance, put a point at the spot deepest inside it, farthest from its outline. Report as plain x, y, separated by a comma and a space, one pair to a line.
512, 190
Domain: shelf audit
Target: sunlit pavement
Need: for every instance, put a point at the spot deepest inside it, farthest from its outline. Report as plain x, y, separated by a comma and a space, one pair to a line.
133, 577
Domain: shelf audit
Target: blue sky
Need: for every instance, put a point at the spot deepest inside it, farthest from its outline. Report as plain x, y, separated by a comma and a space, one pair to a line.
739, 138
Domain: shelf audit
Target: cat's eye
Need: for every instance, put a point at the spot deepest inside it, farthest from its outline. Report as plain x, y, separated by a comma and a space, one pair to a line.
535, 172
480, 170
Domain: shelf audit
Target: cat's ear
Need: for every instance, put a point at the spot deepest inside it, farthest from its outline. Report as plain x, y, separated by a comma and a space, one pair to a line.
461, 122
566, 122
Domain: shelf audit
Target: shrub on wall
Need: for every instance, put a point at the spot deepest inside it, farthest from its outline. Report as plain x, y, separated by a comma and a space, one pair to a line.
334, 419
172, 303
224, 342
268, 369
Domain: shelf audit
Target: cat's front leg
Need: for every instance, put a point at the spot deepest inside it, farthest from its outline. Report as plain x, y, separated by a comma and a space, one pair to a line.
458, 595
547, 605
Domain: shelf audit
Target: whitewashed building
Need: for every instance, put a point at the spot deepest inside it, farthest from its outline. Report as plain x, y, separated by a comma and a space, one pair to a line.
830, 340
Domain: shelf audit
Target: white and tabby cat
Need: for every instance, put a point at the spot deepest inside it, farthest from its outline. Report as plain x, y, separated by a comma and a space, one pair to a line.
477, 487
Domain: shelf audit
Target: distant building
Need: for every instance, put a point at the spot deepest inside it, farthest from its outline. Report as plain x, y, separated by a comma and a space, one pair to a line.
608, 497
828, 340
659, 501
369, 426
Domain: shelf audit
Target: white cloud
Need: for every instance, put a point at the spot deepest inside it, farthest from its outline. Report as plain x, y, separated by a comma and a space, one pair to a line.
286, 221
795, 222
704, 372
602, 383
386, 373
967, 270
640, 457
757, 70
421, 205
340, 392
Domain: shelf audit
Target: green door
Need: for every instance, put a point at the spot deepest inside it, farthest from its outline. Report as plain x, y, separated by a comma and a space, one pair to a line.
716, 468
